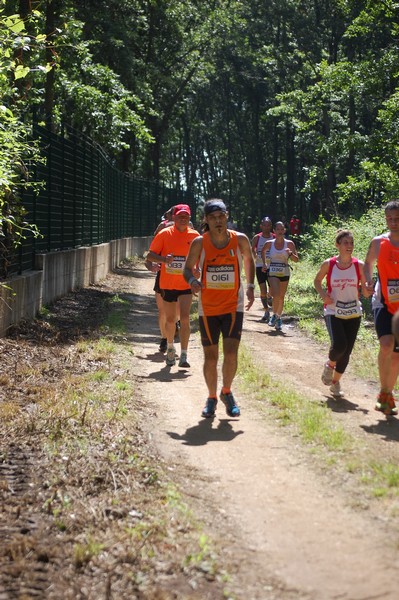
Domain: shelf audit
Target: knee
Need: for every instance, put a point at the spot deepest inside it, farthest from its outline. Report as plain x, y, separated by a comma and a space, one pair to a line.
386, 345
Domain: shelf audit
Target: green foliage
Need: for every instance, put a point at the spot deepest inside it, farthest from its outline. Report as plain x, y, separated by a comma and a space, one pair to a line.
319, 242
17, 149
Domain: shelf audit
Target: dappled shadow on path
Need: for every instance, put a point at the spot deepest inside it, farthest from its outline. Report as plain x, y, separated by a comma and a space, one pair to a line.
204, 432
166, 374
342, 405
387, 428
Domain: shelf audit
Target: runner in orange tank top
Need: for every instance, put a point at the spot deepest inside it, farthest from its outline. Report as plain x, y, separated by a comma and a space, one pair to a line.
384, 250
220, 254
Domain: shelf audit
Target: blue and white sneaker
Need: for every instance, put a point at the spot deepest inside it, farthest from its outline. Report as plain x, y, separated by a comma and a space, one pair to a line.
272, 321
279, 324
230, 404
209, 408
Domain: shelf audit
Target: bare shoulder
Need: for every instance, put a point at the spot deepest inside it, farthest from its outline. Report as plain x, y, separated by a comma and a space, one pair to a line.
242, 239
196, 244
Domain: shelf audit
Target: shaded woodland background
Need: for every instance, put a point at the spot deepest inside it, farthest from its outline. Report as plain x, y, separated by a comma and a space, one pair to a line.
278, 106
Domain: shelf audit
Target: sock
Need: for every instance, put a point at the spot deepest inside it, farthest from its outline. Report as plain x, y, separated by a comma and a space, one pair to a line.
226, 390
171, 346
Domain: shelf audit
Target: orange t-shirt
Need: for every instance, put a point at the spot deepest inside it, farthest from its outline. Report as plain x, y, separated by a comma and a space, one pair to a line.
173, 241
222, 291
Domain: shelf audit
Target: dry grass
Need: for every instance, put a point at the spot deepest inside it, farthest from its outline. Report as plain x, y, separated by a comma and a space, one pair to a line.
96, 506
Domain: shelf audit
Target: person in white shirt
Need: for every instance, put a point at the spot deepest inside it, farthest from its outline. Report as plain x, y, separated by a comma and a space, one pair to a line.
345, 278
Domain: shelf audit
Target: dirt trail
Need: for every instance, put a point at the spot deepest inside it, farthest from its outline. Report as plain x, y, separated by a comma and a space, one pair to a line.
289, 529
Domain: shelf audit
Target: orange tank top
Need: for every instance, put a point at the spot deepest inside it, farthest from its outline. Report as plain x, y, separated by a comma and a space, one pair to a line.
222, 291
388, 274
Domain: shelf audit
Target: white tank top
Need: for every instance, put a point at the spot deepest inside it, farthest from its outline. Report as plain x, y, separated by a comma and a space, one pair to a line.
343, 287
261, 241
279, 261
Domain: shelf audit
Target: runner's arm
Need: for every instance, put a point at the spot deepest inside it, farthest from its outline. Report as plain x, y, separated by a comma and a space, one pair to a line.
254, 245
371, 258
191, 264
292, 251
152, 266
322, 273
366, 292
265, 248
249, 267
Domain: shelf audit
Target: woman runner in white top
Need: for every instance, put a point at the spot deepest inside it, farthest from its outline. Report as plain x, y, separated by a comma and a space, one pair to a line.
279, 251
258, 241
342, 307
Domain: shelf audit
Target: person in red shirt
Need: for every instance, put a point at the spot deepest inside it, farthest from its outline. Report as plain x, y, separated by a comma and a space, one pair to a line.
169, 248
220, 254
295, 228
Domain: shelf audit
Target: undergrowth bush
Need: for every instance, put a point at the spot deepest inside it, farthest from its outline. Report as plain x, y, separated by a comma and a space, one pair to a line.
319, 243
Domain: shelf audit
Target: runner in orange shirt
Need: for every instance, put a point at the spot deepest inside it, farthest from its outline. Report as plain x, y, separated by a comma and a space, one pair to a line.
170, 248
384, 250
220, 254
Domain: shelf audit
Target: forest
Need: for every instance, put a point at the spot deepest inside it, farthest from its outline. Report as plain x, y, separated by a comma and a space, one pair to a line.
277, 106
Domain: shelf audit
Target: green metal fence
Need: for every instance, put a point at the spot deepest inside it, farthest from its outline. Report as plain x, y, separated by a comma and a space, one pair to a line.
86, 200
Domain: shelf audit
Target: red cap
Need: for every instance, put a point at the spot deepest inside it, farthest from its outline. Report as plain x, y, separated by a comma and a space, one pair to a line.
182, 208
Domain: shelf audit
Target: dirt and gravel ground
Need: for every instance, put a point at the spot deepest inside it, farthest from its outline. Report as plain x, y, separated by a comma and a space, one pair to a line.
285, 522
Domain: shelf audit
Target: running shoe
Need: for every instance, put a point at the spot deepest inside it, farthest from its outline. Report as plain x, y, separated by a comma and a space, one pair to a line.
335, 389
266, 316
183, 362
386, 404
230, 404
209, 408
279, 325
327, 375
272, 321
171, 357
163, 345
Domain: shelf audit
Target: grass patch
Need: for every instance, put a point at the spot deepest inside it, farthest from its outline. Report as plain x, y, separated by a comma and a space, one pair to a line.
316, 426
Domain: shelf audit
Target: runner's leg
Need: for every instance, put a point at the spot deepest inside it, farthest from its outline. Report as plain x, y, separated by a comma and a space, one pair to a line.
184, 305
211, 354
230, 361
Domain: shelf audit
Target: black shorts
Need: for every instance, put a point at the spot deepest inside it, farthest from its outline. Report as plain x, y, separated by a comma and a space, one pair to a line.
173, 295
261, 275
156, 287
285, 278
229, 325
383, 323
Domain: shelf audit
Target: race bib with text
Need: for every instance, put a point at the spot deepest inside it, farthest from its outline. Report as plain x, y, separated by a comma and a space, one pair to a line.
176, 267
220, 277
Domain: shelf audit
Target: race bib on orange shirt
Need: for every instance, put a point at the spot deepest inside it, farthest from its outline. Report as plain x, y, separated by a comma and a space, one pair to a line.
393, 290
176, 267
220, 277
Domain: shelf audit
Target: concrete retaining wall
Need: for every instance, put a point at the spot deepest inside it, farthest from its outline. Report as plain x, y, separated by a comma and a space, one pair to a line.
58, 273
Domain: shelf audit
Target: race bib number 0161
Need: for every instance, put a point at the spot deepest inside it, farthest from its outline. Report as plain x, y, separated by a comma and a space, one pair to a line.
220, 277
